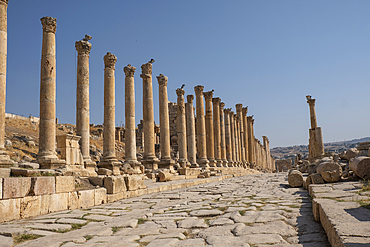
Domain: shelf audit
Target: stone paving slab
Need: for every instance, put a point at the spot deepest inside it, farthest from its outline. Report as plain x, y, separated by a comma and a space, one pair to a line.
218, 213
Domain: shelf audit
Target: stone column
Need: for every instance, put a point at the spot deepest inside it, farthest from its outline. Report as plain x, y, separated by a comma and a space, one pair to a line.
245, 132
181, 128
216, 130
232, 137
83, 48
229, 151
266, 145
5, 160
190, 131
130, 131
150, 161
223, 137
316, 145
47, 156
250, 122
311, 103
109, 160
239, 112
201, 127
237, 139
166, 161
209, 129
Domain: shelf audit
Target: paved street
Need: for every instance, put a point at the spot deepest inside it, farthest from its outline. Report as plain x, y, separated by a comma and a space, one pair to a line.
253, 210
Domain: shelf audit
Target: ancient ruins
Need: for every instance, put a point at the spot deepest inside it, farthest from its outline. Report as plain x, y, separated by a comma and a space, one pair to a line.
194, 144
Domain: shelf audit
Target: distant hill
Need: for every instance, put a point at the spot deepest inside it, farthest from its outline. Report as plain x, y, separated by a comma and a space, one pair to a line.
292, 151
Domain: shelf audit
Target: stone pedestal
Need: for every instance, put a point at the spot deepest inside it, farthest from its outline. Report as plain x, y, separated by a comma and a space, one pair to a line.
190, 131
109, 160
201, 127
245, 133
5, 160
228, 137
181, 129
149, 160
130, 132
209, 129
216, 130
83, 48
166, 161
47, 157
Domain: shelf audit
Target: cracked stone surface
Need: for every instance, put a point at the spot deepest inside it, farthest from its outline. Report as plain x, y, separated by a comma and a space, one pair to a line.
254, 210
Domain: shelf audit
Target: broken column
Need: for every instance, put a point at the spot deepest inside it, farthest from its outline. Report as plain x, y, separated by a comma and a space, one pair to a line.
229, 150
223, 136
47, 156
190, 131
181, 128
109, 160
216, 130
5, 160
209, 129
201, 127
166, 161
316, 145
130, 132
83, 48
232, 137
149, 160
245, 133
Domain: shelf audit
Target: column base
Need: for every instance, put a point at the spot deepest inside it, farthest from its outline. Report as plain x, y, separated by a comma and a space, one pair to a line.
150, 162
5, 160
212, 162
90, 167
225, 163
203, 162
111, 164
134, 164
194, 165
166, 163
50, 163
184, 163
219, 163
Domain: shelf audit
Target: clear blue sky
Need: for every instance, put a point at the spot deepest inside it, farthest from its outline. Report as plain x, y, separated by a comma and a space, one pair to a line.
265, 54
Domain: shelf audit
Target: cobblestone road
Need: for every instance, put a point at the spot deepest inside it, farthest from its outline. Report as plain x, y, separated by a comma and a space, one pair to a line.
254, 210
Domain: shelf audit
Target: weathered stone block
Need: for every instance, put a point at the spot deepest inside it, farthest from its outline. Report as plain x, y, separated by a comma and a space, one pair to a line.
86, 198
73, 201
100, 196
42, 185
115, 197
99, 180
134, 182
114, 184
58, 202
30, 206
44, 204
5, 172
16, 187
64, 184
9, 209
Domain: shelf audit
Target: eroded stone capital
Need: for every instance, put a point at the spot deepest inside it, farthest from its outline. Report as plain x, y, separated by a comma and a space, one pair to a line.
146, 69
310, 101
180, 92
265, 138
245, 110
110, 60
208, 95
231, 113
162, 80
190, 98
49, 24
227, 110
216, 100
129, 70
83, 47
198, 90
222, 105
4, 1
239, 107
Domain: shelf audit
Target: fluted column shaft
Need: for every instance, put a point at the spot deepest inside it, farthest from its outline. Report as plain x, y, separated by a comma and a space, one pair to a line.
201, 127
232, 133
223, 137
190, 131
4, 157
245, 133
130, 133
181, 128
209, 129
229, 151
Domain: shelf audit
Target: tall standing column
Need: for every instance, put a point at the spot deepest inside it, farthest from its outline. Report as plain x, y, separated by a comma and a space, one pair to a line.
83, 48
209, 129
130, 132
316, 145
47, 155
216, 130
5, 160
245, 129
190, 131
201, 127
149, 160
251, 155
109, 160
223, 137
232, 135
229, 151
237, 139
181, 128
239, 109
166, 161
266, 145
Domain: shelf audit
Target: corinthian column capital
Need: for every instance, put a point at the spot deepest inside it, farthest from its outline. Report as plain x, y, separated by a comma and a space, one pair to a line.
49, 24
83, 46
198, 90
110, 60
129, 70
162, 80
